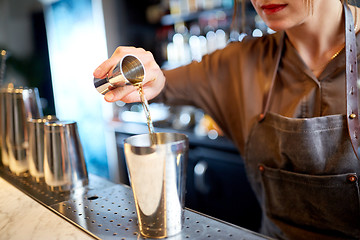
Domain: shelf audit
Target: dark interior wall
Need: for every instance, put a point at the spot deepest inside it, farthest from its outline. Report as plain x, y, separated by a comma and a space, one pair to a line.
40, 74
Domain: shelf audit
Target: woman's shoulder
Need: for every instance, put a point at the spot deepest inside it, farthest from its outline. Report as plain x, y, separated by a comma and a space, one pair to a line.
251, 49
264, 44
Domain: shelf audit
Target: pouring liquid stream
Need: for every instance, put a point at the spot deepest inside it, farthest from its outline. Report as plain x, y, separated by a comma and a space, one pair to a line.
145, 105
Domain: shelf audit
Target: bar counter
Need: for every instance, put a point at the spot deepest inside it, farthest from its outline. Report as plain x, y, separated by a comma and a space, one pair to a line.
101, 210
23, 218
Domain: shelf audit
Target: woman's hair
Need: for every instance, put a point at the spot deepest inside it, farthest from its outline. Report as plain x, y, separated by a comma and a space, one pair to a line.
235, 15
309, 5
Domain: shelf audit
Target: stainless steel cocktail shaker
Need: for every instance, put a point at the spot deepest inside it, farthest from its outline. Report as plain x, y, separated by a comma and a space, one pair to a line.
35, 153
158, 177
3, 147
64, 162
21, 104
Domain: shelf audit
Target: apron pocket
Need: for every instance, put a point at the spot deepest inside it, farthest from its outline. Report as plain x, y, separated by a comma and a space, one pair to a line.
325, 202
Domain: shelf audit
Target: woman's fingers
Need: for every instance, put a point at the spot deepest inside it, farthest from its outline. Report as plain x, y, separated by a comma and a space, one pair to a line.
154, 78
120, 93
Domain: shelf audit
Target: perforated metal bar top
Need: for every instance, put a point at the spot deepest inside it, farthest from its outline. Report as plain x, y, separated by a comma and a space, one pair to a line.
107, 211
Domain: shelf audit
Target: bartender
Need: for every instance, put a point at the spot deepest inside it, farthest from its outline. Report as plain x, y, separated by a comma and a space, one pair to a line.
283, 99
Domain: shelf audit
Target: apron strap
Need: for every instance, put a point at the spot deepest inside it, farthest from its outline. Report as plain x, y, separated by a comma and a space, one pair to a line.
351, 80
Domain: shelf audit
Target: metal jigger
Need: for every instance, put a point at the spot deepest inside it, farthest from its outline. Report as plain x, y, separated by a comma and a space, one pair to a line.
128, 71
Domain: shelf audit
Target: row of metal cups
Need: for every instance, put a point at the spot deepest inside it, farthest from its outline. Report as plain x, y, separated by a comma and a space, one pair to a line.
48, 149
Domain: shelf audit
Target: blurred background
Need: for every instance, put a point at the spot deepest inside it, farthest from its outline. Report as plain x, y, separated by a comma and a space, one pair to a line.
55, 45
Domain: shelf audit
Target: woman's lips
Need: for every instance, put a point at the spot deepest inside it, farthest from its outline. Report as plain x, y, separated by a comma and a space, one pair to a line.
273, 8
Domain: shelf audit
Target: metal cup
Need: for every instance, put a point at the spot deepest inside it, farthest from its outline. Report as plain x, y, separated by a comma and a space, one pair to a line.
128, 71
21, 104
64, 162
4, 158
157, 175
35, 151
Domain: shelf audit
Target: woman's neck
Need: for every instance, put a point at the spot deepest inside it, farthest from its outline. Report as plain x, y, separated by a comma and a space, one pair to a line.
321, 37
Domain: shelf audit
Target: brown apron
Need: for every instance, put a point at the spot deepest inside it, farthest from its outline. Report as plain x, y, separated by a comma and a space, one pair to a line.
305, 171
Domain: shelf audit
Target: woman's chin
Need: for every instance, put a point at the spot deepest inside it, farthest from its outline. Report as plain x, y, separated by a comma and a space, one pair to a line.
278, 27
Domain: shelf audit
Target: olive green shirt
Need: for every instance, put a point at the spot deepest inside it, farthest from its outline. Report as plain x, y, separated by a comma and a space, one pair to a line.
230, 85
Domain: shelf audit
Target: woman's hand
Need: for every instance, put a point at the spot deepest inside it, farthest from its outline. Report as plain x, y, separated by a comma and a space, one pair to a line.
152, 84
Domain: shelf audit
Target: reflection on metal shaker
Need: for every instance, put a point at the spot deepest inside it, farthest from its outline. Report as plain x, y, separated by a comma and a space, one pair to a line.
157, 175
35, 151
21, 104
64, 162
